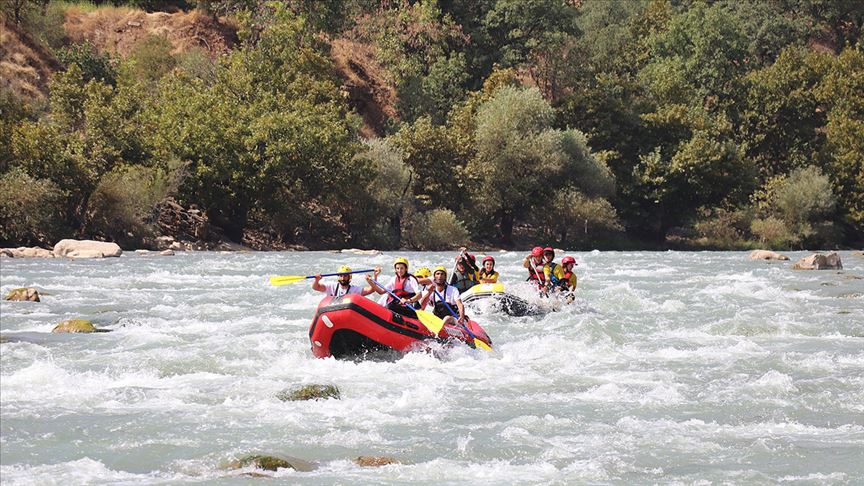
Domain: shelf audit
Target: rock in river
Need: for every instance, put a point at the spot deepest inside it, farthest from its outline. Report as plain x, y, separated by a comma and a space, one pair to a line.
86, 249
819, 261
309, 392
74, 325
28, 294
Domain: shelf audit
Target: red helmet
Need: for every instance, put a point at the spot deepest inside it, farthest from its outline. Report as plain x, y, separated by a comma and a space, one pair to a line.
537, 251
488, 258
470, 257
549, 249
568, 259
459, 258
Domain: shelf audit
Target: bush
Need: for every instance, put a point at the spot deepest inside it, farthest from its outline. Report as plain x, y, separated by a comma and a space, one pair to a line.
150, 59
31, 210
438, 230
122, 205
723, 227
806, 196
93, 65
772, 232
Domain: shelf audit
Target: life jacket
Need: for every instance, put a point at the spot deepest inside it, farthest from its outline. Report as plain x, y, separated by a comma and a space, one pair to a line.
483, 274
339, 287
564, 283
463, 281
439, 308
399, 286
537, 273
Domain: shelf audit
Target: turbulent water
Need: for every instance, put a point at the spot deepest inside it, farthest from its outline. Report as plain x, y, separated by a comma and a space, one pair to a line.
670, 367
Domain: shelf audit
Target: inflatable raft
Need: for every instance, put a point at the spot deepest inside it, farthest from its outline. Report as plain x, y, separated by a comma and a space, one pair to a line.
492, 297
352, 326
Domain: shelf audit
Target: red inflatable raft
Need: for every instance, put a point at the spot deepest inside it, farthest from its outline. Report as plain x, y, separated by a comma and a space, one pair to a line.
351, 326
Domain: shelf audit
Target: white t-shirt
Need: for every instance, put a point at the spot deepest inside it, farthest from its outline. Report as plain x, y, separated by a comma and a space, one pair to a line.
336, 290
410, 285
451, 296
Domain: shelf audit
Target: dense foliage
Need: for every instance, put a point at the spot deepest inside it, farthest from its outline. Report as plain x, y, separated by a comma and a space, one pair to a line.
615, 123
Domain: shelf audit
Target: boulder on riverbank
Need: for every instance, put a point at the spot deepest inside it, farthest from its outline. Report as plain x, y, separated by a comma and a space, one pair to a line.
86, 249
309, 392
272, 463
375, 461
26, 252
28, 294
766, 255
356, 251
75, 326
819, 261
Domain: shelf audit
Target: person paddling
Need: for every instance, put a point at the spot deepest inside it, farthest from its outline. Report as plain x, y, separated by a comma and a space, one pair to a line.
488, 274
567, 283
433, 303
342, 286
552, 272
534, 264
464, 276
403, 285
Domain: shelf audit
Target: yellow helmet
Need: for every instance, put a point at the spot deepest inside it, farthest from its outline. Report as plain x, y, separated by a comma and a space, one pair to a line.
402, 260
440, 269
422, 272
344, 269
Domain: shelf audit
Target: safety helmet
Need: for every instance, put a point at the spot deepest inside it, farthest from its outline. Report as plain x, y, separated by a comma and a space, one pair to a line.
470, 257
568, 259
401, 260
440, 268
422, 272
344, 269
488, 258
549, 249
537, 251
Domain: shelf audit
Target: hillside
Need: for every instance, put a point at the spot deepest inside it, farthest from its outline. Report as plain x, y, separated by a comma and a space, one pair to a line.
25, 66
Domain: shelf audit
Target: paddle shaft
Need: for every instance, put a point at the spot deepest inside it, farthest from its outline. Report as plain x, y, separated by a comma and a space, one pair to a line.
398, 299
342, 273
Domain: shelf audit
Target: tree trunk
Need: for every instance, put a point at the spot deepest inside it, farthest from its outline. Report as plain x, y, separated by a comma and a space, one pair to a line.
507, 227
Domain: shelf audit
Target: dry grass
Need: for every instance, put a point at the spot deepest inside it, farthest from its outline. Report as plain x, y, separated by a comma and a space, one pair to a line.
368, 90
25, 68
118, 30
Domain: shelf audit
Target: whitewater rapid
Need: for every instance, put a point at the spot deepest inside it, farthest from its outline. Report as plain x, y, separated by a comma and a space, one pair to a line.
671, 367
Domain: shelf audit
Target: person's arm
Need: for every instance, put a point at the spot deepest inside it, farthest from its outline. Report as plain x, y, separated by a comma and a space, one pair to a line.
461, 310
316, 284
374, 286
426, 296
526, 262
418, 292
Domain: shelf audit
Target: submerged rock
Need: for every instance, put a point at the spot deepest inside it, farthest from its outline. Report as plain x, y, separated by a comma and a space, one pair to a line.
819, 261
309, 392
167, 252
86, 249
28, 294
74, 325
375, 461
766, 255
272, 463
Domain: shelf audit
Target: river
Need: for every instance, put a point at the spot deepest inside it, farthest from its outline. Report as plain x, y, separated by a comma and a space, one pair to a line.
671, 367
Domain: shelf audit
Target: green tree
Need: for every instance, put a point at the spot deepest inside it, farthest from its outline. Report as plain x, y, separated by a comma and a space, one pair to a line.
842, 93
31, 210
522, 162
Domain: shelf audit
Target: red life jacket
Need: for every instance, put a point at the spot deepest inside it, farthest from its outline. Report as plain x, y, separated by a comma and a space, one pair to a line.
536, 273
399, 287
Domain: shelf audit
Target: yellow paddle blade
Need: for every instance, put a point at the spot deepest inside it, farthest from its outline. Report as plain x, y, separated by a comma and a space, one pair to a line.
481, 344
431, 321
285, 280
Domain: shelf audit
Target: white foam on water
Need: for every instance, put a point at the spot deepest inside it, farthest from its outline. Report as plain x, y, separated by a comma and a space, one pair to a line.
675, 368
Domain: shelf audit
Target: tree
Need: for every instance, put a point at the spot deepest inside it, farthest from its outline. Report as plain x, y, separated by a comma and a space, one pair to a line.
522, 162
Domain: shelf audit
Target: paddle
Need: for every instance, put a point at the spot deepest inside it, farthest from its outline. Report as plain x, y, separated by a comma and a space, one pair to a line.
428, 319
477, 343
290, 279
